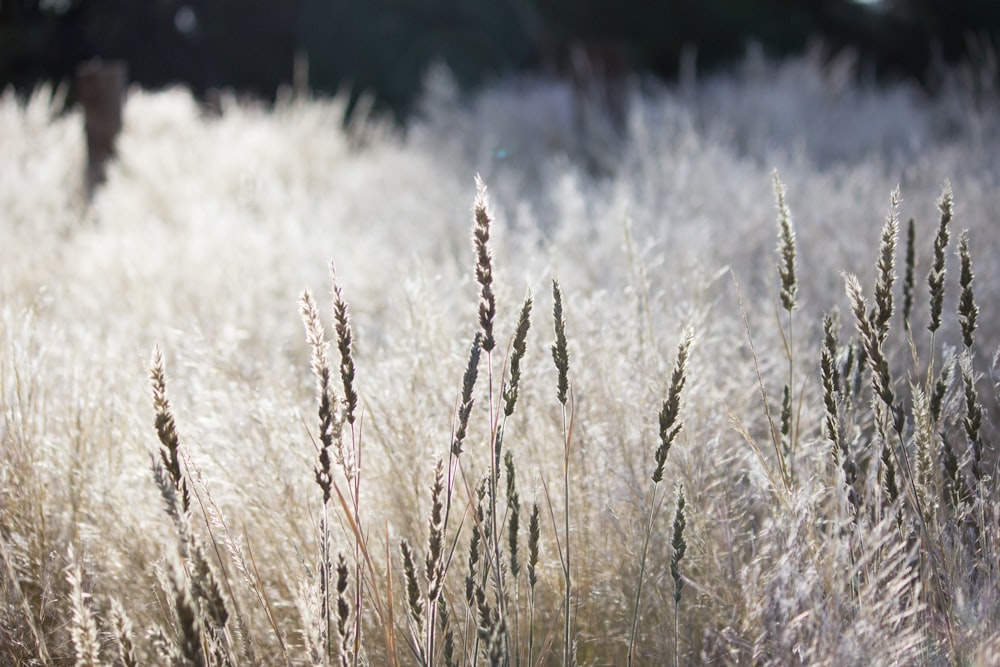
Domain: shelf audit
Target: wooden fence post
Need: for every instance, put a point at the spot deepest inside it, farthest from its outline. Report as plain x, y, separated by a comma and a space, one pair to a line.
101, 90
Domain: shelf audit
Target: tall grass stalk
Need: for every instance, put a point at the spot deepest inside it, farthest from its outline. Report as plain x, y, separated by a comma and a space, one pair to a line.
669, 428
487, 314
788, 294
936, 275
352, 461
560, 355
678, 549
329, 436
534, 534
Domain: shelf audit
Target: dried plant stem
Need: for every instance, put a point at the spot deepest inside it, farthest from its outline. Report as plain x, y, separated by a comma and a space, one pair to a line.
382, 608
494, 530
679, 547
345, 345
670, 426
788, 295
568, 641
533, 535
630, 657
560, 354
775, 436
29, 616
358, 571
487, 314
936, 275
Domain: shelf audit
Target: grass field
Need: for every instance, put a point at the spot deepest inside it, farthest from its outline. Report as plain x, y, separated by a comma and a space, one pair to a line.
694, 390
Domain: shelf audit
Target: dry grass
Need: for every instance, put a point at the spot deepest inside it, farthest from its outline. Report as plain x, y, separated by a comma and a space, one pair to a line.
434, 473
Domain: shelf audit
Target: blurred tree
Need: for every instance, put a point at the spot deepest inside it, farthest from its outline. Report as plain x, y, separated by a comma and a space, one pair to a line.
31, 47
915, 33
385, 46
246, 44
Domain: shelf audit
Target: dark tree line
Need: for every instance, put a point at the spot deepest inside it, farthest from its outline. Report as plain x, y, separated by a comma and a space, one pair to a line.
384, 46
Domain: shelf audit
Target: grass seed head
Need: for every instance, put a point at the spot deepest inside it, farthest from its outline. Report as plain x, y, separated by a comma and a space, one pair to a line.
414, 598
935, 278
909, 278
345, 344
533, 537
886, 269
669, 418
123, 634
560, 351
468, 386
519, 346
678, 544
83, 627
968, 311
484, 265
786, 246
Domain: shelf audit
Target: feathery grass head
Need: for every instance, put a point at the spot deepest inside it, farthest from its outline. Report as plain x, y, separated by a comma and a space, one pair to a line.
560, 351
670, 425
533, 536
190, 638
909, 278
444, 623
475, 544
941, 385
886, 268
166, 429
329, 424
973, 421
83, 627
468, 386
414, 599
923, 433
831, 381
484, 265
205, 589
786, 246
956, 489
968, 311
434, 560
345, 343
935, 278
881, 380
888, 475
123, 634
519, 346
514, 517
785, 422
343, 606
678, 544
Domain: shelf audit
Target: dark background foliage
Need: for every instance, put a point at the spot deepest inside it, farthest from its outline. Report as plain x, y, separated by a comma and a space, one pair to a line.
384, 46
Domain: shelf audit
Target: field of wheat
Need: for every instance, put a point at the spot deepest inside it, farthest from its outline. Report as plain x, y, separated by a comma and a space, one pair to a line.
512, 386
